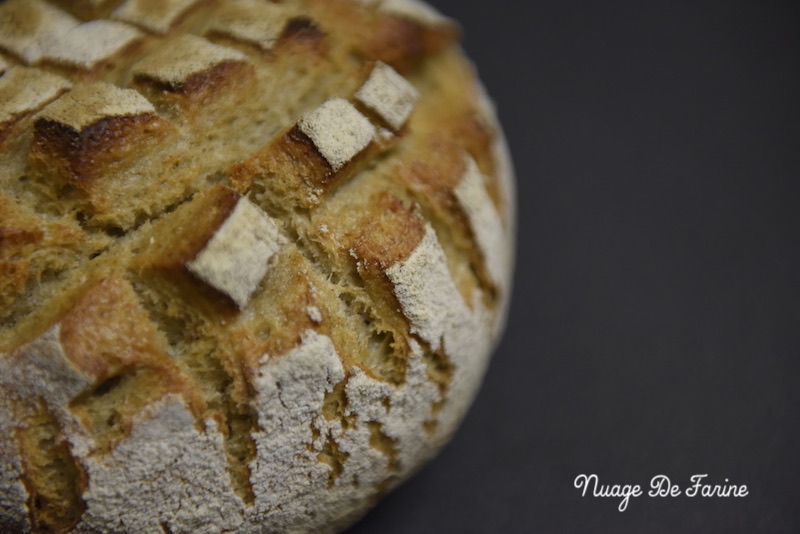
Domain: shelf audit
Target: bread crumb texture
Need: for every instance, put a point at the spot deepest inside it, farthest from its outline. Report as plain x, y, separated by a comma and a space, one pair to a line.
254, 256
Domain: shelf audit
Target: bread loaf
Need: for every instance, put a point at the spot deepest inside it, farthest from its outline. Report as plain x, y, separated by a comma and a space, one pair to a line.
253, 258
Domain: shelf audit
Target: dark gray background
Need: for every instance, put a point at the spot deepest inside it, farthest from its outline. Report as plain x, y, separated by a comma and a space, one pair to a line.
655, 326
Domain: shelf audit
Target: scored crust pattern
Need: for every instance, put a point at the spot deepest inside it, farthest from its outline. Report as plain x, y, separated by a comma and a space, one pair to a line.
253, 258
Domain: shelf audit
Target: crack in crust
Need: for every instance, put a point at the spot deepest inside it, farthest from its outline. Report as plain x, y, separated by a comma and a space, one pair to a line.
53, 478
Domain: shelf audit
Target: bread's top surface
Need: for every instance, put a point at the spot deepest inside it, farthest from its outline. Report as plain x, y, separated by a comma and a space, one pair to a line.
282, 229
24, 90
88, 103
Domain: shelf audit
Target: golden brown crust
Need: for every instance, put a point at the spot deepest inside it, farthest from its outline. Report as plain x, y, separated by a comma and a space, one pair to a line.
81, 157
107, 331
387, 232
303, 35
23, 235
293, 295
200, 88
292, 169
399, 40
249, 270
106, 334
178, 239
403, 43
198, 221
88, 9
295, 170
191, 72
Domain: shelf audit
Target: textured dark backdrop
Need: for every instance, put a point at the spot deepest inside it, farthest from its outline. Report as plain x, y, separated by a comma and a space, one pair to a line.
655, 326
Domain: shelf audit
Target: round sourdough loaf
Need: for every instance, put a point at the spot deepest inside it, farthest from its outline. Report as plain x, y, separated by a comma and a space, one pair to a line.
253, 258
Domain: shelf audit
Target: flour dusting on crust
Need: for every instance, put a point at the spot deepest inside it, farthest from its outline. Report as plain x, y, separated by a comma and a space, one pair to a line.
87, 104
484, 221
426, 291
237, 257
338, 131
168, 467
